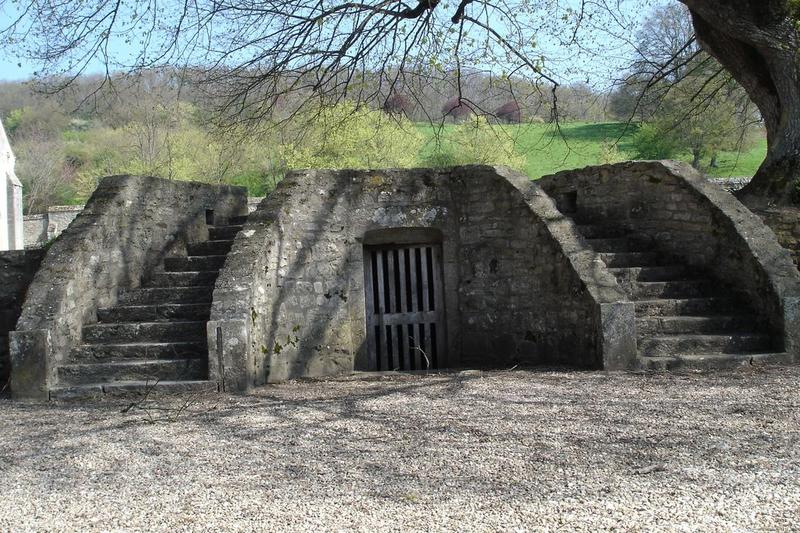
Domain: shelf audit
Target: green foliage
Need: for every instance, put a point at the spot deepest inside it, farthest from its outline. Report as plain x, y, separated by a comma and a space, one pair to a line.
346, 136
44, 120
164, 142
652, 142
13, 120
476, 141
690, 121
609, 153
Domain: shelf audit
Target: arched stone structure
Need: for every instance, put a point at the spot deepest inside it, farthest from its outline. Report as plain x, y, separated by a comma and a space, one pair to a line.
519, 284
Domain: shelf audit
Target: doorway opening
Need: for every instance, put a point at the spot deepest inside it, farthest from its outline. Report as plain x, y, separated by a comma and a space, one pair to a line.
405, 306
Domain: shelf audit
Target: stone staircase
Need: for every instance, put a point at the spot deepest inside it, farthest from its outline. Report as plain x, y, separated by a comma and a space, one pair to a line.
685, 318
154, 339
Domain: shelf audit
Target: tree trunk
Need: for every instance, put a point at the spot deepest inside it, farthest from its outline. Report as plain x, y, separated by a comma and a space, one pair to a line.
758, 42
713, 162
696, 158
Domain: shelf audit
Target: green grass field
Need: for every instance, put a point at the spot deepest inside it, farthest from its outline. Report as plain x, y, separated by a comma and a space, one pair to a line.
577, 145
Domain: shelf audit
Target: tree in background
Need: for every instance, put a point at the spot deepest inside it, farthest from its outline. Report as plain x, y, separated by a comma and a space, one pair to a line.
690, 120
683, 97
456, 108
509, 112
397, 104
47, 179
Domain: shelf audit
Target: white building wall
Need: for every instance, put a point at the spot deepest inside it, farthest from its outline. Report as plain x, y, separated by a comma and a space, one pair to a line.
11, 222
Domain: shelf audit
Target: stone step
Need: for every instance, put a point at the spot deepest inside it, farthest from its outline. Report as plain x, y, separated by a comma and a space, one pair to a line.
713, 361
144, 332
598, 231
672, 345
686, 306
215, 247
183, 279
165, 369
630, 259
648, 290
133, 313
616, 244
131, 390
654, 273
163, 295
194, 263
223, 232
672, 325
88, 353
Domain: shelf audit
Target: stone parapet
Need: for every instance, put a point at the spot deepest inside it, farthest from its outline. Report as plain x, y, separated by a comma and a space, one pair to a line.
129, 224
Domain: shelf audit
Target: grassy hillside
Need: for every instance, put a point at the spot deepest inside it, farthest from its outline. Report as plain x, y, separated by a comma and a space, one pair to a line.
576, 145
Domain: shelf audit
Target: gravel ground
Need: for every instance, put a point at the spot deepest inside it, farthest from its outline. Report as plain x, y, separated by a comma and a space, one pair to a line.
516, 450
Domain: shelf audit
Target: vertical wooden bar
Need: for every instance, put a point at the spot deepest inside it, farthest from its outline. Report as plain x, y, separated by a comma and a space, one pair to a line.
417, 344
383, 362
425, 303
380, 350
438, 287
404, 344
402, 305
426, 345
390, 348
369, 294
379, 282
391, 305
412, 266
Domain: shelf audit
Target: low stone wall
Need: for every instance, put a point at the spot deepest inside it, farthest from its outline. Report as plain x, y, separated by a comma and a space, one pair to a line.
41, 228
519, 286
253, 203
127, 227
695, 220
47, 226
732, 184
16, 272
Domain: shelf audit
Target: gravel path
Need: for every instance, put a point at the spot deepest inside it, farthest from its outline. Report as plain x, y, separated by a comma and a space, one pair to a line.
472, 451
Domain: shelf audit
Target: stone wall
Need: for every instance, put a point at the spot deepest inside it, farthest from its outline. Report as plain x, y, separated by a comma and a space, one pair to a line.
785, 222
47, 226
16, 272
129, 224
694, 220
35, 230
520, 288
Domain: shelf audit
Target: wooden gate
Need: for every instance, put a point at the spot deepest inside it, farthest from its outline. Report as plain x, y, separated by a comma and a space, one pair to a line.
405, 307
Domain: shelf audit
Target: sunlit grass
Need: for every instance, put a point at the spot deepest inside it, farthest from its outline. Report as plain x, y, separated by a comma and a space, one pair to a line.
575, 145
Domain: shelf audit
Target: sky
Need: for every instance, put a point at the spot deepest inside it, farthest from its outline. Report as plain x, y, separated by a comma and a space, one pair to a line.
570, 64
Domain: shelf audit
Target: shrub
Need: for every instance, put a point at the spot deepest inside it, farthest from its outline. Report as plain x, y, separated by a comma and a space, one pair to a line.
477, 142
650, 142
609, 153
346, 136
